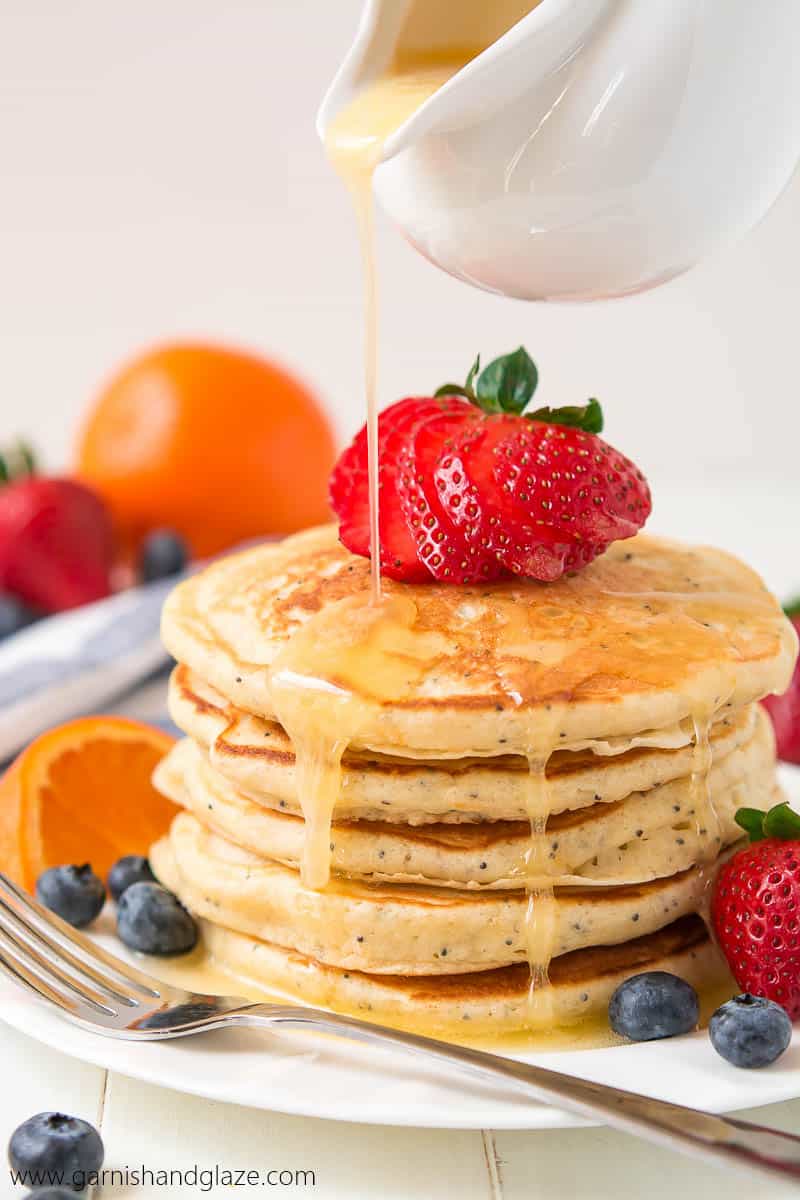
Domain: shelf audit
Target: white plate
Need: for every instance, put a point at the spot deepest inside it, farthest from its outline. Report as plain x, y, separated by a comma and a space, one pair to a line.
324, 1077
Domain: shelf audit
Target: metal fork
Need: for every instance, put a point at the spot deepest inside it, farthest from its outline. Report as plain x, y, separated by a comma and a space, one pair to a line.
105, 995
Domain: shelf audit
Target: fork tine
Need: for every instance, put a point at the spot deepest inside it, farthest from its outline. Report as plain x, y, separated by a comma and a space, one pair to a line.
31, 984
59, 936
41, 977
81, 975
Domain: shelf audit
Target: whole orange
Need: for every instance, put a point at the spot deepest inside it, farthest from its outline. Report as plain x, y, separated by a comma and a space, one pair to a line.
216, 444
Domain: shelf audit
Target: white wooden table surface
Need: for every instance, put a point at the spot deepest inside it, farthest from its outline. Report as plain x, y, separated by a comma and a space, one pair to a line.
164, 1130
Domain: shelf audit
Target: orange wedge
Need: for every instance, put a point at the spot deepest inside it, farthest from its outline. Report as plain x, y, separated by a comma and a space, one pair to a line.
82, 793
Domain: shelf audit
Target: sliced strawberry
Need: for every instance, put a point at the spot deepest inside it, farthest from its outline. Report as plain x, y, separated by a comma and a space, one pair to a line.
573, 481
542, 497
349, 491
470, 489
348, 488
567, 493
466, 475
56, 543
443, 545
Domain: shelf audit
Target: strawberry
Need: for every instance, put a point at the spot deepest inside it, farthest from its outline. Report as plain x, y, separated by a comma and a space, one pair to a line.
755, 907
785, 710
349, 491
472, 490
486, 483
56, 543
425, 506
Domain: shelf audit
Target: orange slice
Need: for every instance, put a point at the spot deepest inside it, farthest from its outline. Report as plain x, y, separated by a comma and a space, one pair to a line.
82, 793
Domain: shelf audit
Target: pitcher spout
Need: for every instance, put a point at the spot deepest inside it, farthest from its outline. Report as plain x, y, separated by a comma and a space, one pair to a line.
592, 148
487, 56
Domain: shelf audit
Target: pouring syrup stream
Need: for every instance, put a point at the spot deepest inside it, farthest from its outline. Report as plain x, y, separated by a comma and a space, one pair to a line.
355, 142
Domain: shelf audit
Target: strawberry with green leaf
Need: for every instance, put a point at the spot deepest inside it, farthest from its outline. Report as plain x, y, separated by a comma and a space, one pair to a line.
56, 540
755, 907
473, 488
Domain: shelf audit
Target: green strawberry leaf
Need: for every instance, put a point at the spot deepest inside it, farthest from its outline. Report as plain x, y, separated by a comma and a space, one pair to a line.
505, 386
589, 418
792, 609
780, 822
751, 821
16, 461
508, 383
454, 389
473, 372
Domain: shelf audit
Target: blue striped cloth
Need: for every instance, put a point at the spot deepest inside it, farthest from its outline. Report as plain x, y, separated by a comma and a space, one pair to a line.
80, 662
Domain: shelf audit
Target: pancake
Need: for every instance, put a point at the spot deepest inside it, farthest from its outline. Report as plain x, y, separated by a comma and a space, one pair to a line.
506, 780
257, 756
482, 1004
648, 835
405, 930
649, 635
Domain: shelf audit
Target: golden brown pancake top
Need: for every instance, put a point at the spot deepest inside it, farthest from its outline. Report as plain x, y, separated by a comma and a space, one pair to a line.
649, 633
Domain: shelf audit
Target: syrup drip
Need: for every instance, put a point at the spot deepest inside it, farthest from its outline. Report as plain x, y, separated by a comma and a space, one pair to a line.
511, 632
541, 911
316, 683
707, 821
701, 801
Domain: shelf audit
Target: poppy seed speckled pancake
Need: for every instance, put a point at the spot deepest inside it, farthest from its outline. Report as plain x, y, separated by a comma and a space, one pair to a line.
648, 835
258, 758
651, 633
480, 1004
400, 929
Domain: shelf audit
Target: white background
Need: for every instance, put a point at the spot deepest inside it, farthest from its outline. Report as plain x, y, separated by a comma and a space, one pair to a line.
161, 177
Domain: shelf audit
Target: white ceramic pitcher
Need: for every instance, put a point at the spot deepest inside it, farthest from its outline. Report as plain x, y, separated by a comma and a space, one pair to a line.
598, 148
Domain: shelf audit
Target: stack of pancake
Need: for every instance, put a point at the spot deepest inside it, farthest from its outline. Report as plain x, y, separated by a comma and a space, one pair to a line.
401, 809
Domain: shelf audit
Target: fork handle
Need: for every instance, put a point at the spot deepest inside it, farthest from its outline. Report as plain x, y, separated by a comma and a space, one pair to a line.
723, 1140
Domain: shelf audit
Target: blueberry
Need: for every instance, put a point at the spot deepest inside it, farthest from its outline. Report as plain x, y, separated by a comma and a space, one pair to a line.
53, 1145
151, 919
653, 1005
163, 553
50, 1193
14, 615
73, 893
750, 1031
133, 868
